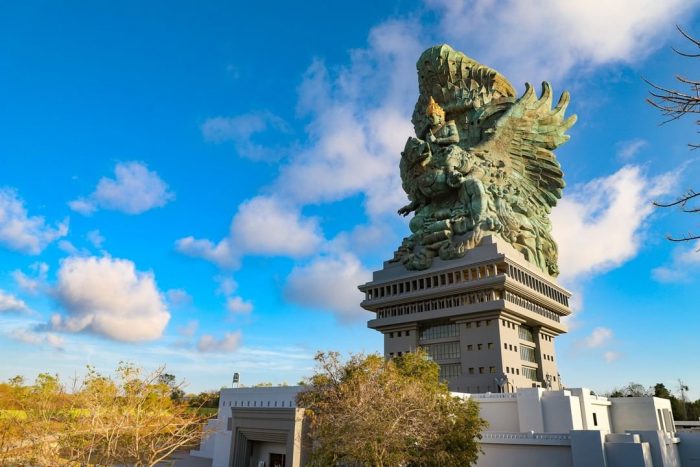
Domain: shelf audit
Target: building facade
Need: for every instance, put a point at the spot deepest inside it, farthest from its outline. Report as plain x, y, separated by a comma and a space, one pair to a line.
489, 319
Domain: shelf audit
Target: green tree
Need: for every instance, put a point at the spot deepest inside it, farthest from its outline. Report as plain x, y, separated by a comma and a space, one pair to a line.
661, 391
631, 390
374, 412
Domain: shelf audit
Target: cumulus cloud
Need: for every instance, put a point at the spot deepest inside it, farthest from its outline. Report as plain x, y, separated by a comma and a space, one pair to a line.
11, 304
96, 238
626, 150
264, 226
610, 356
236, 305
109, 297
189, 329
34, 283
178, 297
548, 39
134, 190
685, 261
359, 119
599, 225
241, 130
229, 343
329, 283
21, 232
37, 338
220, 253
599, 337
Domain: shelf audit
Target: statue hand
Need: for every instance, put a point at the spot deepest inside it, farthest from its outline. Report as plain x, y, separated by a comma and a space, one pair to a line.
404, 211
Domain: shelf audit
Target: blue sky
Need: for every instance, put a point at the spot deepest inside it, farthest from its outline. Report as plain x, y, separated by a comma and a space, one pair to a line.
205, 186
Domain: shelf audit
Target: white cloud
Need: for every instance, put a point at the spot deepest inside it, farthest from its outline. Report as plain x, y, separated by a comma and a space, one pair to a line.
21, 232
95, 238
227, 285
683, 267
68, 247
229, 343
610, 356
330, 284
11, 304
34, 338
242, 129
548, 39
599, 225
236, 305
109, 297
360, 119
32, 284
626, 150
189, 329
264, 226
134, 190
359, 122
219, 254
178, 297
599, 337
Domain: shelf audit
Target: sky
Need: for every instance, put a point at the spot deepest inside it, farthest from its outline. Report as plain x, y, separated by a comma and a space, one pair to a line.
204, 185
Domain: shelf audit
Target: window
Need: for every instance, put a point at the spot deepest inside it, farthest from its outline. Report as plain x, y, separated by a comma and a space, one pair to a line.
398, 334
490, 345
391, 334
517, 371
469, 325
530, 373
479, 346
481, 369
438, 332
507, 369
510, 346
407, 333
443, 350
525, 333
527, 354
492, 369
488, 321
471, 371
450, 371
478, 324
470, 347
505, 346
503, 321
595, 419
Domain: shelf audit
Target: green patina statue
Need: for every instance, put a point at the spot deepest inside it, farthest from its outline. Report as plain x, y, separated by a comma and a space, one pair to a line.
481, 164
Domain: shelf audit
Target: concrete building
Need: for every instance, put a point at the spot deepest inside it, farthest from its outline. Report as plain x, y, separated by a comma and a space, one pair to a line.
488, 319
255, 427
530, 427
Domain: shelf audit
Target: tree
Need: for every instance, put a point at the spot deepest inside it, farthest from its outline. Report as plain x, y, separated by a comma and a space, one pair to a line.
631, 390
370, 411
675, 104
128, 419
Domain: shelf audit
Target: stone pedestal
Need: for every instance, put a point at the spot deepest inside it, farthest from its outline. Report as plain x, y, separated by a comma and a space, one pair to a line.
488, 319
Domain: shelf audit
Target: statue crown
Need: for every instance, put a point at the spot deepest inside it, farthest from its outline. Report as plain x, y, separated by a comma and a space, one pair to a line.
434, 108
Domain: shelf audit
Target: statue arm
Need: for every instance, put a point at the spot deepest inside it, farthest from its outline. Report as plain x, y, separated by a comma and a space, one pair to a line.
451, 134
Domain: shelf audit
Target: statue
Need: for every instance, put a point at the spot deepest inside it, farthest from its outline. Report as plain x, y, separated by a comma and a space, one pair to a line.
481, 163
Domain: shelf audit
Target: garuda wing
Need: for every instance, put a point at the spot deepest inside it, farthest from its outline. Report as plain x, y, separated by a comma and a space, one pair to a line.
523, 138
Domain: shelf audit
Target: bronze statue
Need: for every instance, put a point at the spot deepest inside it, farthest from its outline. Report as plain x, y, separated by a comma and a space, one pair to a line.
482, 163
